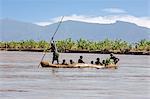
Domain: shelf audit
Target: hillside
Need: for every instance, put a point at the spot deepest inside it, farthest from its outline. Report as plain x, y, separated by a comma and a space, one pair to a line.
16, 30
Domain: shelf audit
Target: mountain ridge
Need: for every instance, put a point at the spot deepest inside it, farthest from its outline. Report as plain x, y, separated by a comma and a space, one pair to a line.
17, 30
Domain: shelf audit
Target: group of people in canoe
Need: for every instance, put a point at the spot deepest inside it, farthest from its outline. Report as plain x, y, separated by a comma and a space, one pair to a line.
111, 60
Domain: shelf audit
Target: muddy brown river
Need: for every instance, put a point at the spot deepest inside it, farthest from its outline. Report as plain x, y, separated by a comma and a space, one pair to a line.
20, 78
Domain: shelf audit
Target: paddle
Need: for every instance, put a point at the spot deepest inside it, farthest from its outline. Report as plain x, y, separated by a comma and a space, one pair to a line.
52, 38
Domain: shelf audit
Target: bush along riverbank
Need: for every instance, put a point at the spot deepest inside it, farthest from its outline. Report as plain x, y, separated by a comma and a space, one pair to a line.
106, 46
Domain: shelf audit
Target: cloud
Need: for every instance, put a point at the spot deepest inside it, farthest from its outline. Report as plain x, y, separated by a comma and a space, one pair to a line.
114, 10
140, 21
43, 23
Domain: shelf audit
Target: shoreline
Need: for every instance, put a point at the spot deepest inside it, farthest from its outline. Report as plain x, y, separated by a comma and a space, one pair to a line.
115, 52
80, 51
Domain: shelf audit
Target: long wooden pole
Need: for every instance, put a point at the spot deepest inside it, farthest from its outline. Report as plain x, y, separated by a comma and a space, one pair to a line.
57, 28
52, 38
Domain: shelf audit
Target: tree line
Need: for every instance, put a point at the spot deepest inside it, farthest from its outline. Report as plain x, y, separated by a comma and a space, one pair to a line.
81, 44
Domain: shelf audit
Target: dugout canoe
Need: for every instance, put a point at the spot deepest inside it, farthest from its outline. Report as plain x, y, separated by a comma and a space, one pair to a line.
77, 65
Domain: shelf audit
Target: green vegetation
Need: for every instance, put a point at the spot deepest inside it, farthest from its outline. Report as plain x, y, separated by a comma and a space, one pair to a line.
25, 44
80, 45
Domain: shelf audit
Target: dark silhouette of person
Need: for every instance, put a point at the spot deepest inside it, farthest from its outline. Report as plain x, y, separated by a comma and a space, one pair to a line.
71, 61
53, 47
98, 62
55, 52
92, 62
64, 62
80, 60
115, 59
104, 62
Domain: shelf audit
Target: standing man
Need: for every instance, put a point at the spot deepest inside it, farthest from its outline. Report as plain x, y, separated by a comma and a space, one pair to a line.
55, 52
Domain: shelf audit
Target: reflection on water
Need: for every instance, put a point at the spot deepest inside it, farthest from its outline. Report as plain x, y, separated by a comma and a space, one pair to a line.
20, 78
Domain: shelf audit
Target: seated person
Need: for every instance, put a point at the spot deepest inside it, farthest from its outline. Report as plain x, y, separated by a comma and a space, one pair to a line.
71, 61
98, 62
64, 62
104, 62
115, 60
92, 62
107, 61
80, 60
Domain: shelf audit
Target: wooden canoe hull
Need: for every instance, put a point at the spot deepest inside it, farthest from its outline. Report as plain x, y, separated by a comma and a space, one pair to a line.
77, 65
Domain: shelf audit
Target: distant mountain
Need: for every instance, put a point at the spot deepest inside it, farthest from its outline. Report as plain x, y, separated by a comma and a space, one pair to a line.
16, 30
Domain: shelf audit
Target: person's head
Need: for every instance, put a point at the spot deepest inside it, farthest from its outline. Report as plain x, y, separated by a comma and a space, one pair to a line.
111, 54
97, 59
71, 62
81, 57
64, 60
103, 61
92, 62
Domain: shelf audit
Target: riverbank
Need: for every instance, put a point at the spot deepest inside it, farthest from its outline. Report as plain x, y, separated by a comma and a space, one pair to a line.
106, 46
80, 51
115, 52
23, 49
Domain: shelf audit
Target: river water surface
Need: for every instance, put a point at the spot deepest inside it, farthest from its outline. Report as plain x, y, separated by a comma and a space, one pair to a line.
20, 78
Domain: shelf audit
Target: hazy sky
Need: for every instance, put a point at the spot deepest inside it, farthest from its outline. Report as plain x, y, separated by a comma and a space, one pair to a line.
46, 10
